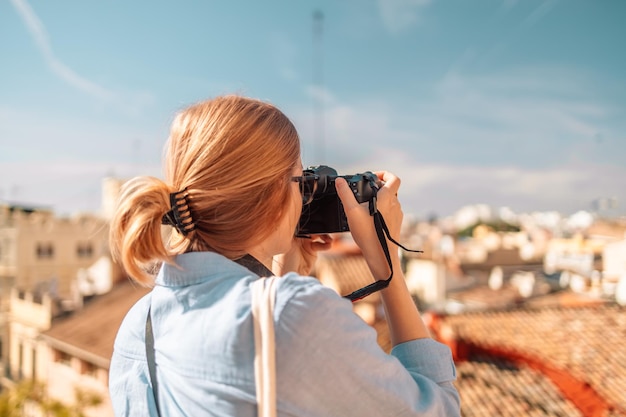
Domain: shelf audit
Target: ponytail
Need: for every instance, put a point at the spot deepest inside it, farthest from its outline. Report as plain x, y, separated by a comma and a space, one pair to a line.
135, 236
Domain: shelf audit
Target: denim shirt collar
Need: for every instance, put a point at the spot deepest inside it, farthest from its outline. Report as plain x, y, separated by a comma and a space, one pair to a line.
196, 267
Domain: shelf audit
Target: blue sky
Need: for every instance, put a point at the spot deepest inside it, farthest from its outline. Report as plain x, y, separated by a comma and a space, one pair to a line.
517, 103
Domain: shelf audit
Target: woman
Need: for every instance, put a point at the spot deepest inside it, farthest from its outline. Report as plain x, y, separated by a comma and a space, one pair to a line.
233, 170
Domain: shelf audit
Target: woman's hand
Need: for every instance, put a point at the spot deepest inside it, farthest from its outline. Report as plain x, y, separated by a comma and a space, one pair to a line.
362, 223
302, 255
401, 312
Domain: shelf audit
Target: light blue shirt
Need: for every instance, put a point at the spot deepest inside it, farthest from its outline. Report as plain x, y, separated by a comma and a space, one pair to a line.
328, 362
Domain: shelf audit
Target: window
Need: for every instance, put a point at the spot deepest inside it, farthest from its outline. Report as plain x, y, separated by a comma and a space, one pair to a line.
45, 250
62, 357
88, 368
84, 250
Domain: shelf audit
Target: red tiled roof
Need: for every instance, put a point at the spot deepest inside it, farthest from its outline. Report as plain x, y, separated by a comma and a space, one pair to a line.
565, 355
492, 387
582, 348
90, 331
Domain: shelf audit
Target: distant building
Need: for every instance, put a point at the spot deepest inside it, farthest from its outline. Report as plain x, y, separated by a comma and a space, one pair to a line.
614, 270
614, 260
42, 252
54, 263
576, 254
426, 280
70, 351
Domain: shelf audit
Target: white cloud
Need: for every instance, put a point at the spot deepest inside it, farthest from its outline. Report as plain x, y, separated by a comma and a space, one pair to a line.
527, 139
532, 116
495, 120
442, 188
320, 94
400, 15
131, 103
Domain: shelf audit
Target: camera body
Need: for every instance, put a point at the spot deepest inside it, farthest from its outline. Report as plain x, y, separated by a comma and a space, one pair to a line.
325, 213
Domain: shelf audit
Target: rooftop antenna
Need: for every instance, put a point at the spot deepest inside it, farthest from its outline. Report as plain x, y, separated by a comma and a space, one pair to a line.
318, 84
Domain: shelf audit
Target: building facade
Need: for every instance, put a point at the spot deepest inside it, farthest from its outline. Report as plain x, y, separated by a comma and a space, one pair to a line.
48, 257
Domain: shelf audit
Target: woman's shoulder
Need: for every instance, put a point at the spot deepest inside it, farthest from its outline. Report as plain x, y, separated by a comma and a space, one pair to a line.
305, 296
131, 334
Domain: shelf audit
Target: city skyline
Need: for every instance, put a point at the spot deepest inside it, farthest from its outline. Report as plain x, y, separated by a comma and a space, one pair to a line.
506, 103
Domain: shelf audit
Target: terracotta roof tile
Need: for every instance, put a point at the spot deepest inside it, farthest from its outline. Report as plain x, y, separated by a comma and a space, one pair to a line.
93, 328
491, 387
586, 343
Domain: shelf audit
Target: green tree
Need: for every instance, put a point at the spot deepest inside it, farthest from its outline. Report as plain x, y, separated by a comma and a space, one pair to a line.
14, 400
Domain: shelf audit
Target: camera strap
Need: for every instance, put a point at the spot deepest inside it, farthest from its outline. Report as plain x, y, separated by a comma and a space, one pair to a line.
382, 231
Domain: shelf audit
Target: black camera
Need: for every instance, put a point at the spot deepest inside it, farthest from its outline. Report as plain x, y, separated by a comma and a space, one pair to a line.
325, 213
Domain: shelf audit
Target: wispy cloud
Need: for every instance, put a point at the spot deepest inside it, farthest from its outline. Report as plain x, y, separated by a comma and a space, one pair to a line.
483, 116
42, 40
131, 103
443, 187
400, 15
320, 94
526, 138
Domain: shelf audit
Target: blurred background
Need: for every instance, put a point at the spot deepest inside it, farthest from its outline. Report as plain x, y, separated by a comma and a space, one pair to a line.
517, 103
505, 119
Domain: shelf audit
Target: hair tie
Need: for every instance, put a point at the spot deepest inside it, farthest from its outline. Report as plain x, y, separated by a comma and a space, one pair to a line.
180, 214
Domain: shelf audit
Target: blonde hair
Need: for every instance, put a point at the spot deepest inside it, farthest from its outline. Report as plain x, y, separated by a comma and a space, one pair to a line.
234, 156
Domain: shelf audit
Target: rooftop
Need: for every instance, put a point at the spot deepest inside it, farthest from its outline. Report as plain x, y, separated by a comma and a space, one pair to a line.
581, 349
495, 387
90, 332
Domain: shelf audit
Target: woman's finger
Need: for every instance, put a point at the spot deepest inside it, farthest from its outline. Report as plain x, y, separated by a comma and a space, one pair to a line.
391, 182
345, 194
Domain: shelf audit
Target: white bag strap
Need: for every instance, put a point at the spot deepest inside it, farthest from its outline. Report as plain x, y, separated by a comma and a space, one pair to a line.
263, 296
